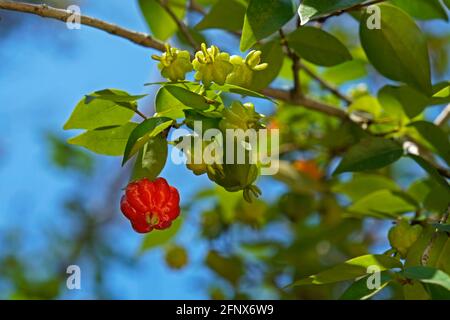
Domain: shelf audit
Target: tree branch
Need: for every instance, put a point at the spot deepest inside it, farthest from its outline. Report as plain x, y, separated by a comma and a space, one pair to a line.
443, 117
353, 8
325, 84
181, 25
297, 89
45, 11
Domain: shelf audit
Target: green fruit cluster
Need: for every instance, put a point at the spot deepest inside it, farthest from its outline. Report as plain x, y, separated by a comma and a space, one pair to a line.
403, 236
211, 65
174, 63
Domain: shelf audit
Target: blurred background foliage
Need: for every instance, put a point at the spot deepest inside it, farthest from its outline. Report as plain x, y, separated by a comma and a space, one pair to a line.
304, 223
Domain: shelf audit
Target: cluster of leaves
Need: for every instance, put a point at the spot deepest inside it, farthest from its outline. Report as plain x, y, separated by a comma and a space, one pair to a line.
321, 214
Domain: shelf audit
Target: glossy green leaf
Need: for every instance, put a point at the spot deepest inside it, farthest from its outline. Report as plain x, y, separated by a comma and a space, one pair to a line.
370, 154
422, 9
113, 95
363, 184
404, 47
359, 290
443, 93
383, 204
432, 195
351, 269
428, 275
347, 71
263, 18
188, 98
225, 14
230, 88
158, 238
159, 21
435, 136
367, 104
151, 159
92, 114
430, 169
166, 105
143, 133
108, 141
410, 100
442, 227
272, 53
311, 9
318, 47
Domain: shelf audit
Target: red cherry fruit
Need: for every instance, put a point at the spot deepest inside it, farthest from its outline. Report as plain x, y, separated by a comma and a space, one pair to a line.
150, 204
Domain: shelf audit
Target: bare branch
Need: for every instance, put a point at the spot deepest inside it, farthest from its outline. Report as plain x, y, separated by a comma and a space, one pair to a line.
297, 90
181, 25
45, 11
326, 85
443, 117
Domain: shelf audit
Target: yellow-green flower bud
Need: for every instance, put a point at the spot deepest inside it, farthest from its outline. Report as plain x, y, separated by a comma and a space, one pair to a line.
212, 65
243, 71
174, 63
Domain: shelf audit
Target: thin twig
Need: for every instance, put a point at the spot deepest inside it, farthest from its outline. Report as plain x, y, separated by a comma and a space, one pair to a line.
443, 117
297, 89
45, 11
352, 8
181, 25
325, 84
426, 254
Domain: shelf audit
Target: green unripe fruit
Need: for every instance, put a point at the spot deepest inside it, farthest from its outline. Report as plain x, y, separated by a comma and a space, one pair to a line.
240, 116
176, 257
174, 64
244, 70
403, 236
212, 65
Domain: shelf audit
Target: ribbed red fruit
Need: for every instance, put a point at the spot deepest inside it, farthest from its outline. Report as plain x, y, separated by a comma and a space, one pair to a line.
150, 204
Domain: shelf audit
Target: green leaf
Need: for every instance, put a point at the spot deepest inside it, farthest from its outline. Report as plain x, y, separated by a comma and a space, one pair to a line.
225, 14
383, 204
370, 154
435, 136
347, 71
272, 53
411, 101
143, 133
311, 9
92, 114
443, 93
442, 227
166, 105
404, 47
318, 47
432, 195
264, 18
351, 269
422, 9
367, 104
113, 95
189, 98
359, 290
428, 275
151, 159
109, 141
430, 169
158, 238
159, 21
363, 184
230, 88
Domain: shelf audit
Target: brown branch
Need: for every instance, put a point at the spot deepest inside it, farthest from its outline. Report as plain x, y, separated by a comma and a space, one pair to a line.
443, 117
45, 11
297, 89
352, 8
426, 254
325, 84
181, 25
